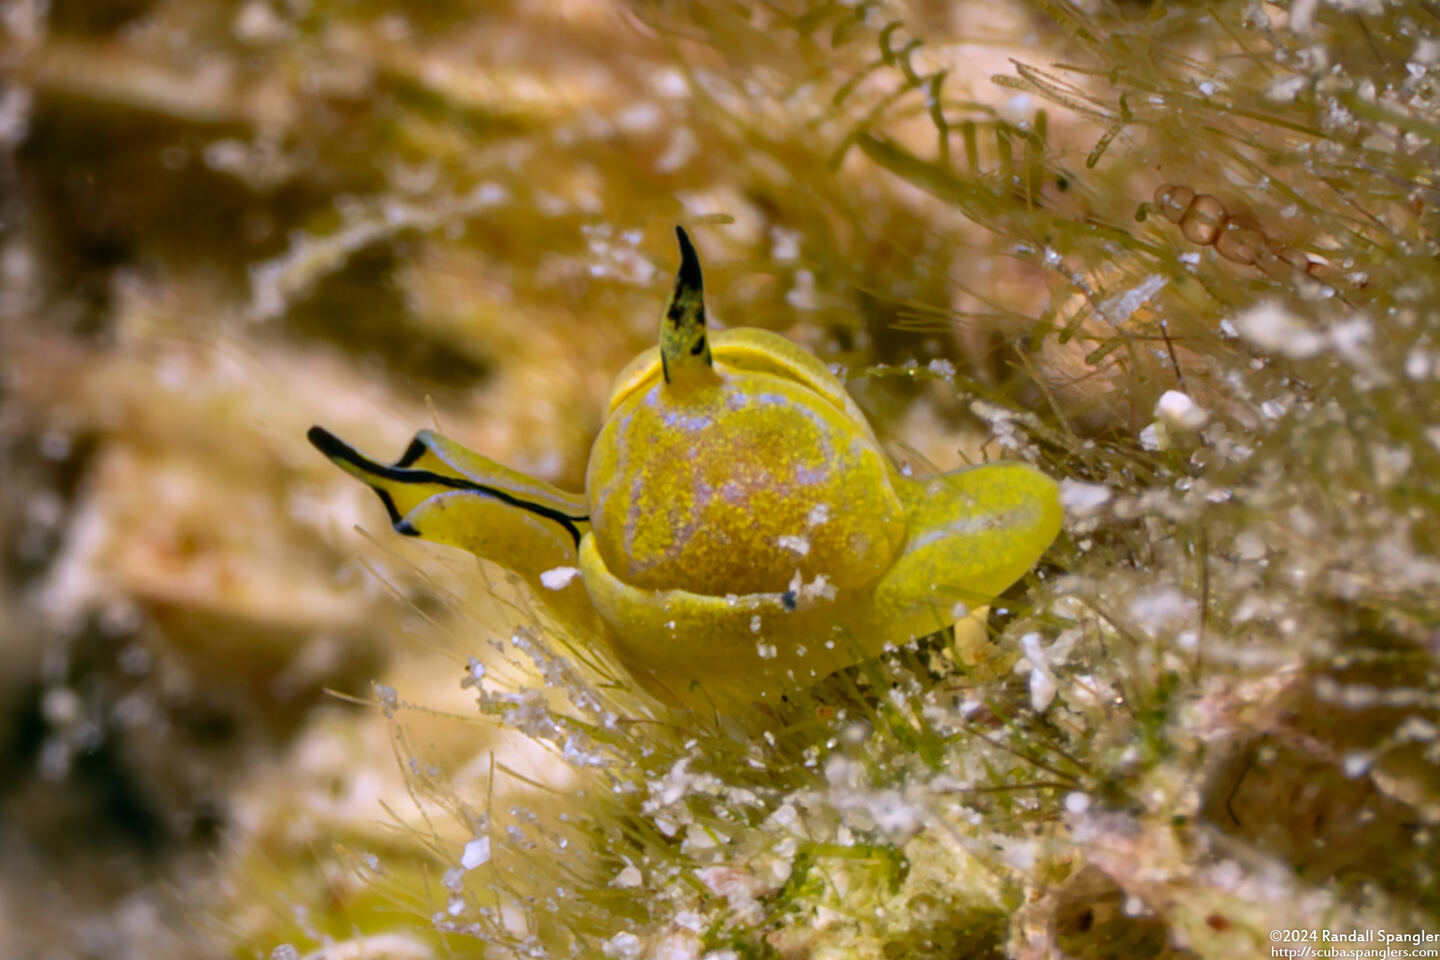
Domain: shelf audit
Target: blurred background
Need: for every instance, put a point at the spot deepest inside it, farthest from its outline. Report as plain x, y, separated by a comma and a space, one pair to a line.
222, 221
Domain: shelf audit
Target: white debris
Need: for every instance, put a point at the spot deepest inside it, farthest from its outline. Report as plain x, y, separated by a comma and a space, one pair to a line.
1158, 608
1357, 764
818, 589
1418, 364
1273, 328
474, 674
820, 513
803, 295
258, 24
1286, 87
784, 244
1417, 729
681, 150
623, 946
699, 837
476, 853
1077, 802
1042, 682
559, 578
1081, 499
799, 546
628, 878
1119, 308
893, 814
1177, 409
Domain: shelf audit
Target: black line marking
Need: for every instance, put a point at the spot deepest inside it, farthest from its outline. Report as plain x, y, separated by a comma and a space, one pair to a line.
337, 449
689, 275
415, 451
698, 348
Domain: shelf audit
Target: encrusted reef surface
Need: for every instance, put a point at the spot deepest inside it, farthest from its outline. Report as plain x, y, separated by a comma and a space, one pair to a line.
1181, 256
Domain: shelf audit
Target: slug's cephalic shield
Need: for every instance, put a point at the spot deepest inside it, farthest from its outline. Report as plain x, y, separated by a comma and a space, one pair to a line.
741, 527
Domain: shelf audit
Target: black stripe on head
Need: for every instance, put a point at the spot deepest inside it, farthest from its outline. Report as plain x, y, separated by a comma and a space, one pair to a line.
337, 449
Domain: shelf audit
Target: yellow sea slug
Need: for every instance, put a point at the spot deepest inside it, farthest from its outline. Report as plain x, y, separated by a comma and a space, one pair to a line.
741, 529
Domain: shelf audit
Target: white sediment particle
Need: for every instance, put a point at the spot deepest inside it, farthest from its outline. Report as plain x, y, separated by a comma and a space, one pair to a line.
15, 104
942, 368
1177, 409
755, 623
1357, 764
1274, 329
1119, 308
1081, 499
1417, 729
1352, 334
894, 814
623, 946
1020, 854
681, 150
1390, 463
476, 853
1152, 437
766, 651
475, 672
1042, 682
697, 837
784, 244
803, 295
559, 578
818, 589
387, 695
799, 546
1417, 364
820, 513
285, 952
1286, 87
1077, 802
1160, 607
628, 878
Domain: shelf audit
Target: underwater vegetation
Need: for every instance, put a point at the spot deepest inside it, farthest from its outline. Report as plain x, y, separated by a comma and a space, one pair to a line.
1181, 258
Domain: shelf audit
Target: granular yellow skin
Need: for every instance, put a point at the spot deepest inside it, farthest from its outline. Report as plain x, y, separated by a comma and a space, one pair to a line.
741, 531
678, 478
